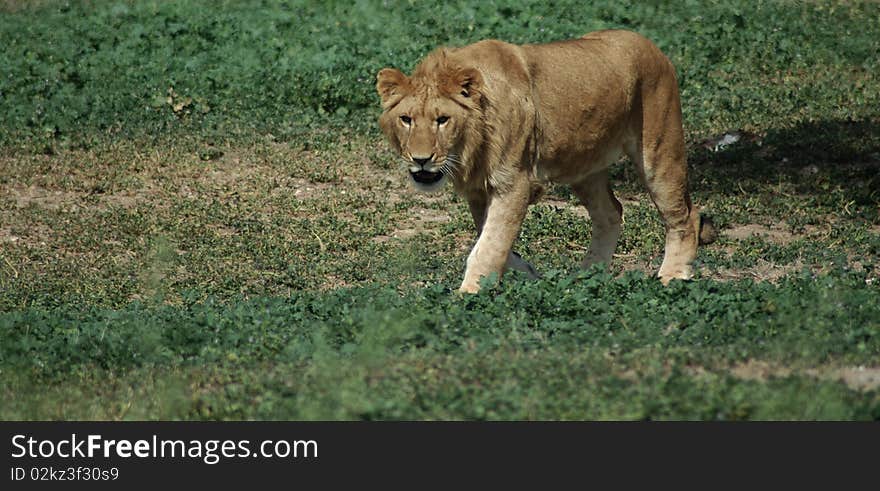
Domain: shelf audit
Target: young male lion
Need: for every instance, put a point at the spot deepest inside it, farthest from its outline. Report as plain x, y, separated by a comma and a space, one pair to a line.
497, 119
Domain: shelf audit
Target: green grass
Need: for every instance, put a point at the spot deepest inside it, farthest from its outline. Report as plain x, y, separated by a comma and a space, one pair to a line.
565, 347
75, 70
199, 220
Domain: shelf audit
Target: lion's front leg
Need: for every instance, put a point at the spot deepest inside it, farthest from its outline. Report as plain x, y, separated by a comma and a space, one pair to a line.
503, 214
477, 201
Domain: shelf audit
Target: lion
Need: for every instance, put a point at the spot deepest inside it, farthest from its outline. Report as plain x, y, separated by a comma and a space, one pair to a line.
499, 121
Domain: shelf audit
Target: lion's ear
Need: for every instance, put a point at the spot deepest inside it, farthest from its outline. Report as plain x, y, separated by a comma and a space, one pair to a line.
469, 83
391, 84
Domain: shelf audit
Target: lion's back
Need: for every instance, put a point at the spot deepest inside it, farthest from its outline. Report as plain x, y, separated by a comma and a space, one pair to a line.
598, 59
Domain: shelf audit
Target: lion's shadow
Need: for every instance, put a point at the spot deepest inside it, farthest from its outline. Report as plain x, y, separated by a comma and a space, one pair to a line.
810, 159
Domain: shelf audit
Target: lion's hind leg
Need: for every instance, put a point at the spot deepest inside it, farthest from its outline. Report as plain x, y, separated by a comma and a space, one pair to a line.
666, 179
661, 160
606, 215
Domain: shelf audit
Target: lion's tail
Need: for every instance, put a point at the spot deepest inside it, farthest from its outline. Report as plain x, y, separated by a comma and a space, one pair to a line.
707, 232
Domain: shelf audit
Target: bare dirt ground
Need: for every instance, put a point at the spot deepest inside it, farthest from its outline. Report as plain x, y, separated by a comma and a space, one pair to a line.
280, 181
857, 377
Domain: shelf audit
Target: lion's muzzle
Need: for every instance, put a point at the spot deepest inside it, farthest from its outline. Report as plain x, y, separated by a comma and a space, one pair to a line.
426, 177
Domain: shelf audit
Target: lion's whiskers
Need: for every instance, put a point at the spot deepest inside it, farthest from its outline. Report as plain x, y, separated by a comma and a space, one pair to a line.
452, 166
450, 170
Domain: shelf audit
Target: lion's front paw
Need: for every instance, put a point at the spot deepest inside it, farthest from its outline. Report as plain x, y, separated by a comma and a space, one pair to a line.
469, 288
680, 273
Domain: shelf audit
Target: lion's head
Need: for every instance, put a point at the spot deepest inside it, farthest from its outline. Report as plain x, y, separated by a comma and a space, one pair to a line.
431, 117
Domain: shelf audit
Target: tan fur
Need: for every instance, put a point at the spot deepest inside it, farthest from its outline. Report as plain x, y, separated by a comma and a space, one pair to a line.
516, 116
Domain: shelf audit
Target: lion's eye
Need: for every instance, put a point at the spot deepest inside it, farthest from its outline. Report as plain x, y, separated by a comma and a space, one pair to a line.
406, 120
442, 119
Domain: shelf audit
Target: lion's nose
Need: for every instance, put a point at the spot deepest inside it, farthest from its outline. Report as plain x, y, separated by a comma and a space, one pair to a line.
423, 161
